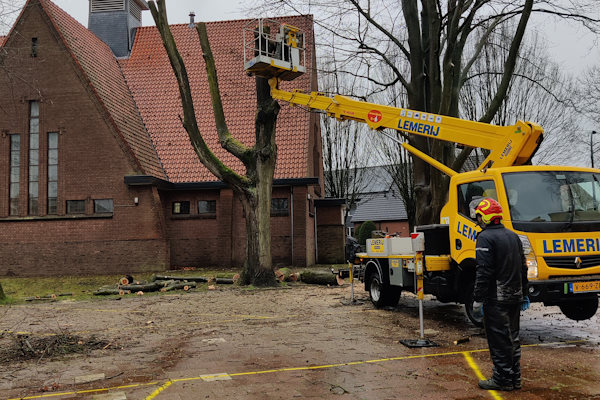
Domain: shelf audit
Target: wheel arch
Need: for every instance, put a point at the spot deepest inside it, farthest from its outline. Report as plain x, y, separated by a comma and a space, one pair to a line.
374, 265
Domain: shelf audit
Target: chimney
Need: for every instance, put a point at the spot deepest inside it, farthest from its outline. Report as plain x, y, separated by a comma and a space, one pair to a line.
115, 22
192, 23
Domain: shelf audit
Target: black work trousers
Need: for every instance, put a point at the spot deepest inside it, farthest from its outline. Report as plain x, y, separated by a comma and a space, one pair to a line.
501, 322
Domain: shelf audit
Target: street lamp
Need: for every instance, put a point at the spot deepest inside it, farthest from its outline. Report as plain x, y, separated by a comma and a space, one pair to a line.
592, 147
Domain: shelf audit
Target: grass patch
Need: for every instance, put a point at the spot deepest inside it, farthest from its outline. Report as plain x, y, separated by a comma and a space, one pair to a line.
82, 287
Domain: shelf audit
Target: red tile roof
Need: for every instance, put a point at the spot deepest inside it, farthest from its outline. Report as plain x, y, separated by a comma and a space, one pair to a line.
152, 82
106, 79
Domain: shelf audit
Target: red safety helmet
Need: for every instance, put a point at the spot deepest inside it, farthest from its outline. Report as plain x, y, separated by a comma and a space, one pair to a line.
490, 210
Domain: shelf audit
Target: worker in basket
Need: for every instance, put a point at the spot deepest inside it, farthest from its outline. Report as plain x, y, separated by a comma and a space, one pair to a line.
500, 294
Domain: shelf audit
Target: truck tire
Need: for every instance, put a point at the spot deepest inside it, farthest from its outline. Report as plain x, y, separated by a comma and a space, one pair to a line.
580, 309
382, 295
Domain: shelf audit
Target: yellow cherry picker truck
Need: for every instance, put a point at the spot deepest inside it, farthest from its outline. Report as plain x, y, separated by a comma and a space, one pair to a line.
555, 210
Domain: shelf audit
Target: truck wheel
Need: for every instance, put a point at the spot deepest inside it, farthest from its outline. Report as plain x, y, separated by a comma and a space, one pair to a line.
382, 295
478, 322
580, 309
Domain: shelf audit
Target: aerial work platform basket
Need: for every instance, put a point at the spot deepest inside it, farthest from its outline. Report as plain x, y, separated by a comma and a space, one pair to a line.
274, 49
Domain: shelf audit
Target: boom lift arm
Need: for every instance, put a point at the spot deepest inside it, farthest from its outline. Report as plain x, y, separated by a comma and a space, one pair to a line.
508, 145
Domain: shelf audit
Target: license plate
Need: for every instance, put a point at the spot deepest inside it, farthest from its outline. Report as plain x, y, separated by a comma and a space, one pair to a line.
579, 287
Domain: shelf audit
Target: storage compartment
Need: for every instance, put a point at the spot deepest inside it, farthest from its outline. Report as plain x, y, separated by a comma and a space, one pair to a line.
400, 245
437, 238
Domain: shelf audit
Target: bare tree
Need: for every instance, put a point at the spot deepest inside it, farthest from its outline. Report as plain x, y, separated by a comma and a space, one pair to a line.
9, 10
589, 93
429, 47
345, 149
538, 92
253, 188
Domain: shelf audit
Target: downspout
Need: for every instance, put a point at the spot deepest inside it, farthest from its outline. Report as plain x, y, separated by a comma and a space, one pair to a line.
316, 241
292, 220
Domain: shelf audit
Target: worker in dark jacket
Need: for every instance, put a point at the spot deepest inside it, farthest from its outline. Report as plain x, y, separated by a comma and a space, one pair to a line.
500, 294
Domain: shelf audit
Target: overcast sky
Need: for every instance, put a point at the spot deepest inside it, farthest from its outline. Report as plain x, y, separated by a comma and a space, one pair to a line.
177, 10
571, 46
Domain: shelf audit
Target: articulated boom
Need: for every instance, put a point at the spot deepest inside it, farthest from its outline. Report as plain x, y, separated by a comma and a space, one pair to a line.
508, 145
281, 56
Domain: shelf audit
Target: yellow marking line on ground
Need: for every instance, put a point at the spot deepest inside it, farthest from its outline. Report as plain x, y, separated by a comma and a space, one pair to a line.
159, 390
451, 353
270, 371
477, 371
48, 395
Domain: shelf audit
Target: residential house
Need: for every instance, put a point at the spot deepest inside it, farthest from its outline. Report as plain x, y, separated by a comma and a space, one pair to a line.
376, 200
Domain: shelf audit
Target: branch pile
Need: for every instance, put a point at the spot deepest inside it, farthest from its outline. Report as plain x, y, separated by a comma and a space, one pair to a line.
158, 283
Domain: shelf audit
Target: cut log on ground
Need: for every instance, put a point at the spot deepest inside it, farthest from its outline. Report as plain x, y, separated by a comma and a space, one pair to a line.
323, 277
149, 287
286, 275
283, 274
180, 278
126, 280
108, 292
178, 286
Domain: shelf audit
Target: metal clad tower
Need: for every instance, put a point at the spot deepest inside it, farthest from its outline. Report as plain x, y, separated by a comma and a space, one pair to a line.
115, 22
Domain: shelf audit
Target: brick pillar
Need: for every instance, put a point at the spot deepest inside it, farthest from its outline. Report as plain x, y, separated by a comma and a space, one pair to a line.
300, 226
225, 224
331, 233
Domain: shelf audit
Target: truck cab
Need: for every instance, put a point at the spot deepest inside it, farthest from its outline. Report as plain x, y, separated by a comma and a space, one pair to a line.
556, 213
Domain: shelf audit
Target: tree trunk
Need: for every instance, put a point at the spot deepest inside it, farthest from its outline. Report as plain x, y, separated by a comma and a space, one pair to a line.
254, 188
258, 269
2, 295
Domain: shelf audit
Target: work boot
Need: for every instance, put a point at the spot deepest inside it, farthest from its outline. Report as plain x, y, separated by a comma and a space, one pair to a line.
517, 383
491, 384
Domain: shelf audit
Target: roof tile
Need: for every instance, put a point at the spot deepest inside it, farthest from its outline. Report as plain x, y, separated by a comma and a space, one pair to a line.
152, 82
106, 78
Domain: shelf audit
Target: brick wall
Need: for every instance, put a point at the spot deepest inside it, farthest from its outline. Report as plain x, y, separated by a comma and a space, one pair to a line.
331, 244
221, 240
392, 227
331, 235
91, 164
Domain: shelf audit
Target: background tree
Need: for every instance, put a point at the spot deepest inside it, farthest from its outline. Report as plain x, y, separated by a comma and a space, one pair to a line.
253, 188
346, 148
589, 93
366, 229
8, 12
428, 55
538, 92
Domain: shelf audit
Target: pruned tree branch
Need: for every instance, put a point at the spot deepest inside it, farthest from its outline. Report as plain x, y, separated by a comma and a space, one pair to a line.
228, 142
206, 156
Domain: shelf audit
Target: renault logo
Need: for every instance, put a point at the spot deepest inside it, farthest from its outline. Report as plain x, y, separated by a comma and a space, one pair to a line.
578, 262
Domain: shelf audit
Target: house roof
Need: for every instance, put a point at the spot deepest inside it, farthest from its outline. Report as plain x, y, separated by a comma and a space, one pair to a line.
100, 68
380, 207
375, 179
154, 87
365, 180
